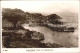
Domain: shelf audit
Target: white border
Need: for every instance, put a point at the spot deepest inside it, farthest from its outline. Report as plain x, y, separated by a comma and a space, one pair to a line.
41, 50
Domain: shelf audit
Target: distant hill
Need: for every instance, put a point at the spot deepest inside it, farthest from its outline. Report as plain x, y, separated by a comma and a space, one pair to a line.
39, 18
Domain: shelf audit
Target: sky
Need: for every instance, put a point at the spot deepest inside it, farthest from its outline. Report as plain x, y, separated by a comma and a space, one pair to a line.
42, 6
66, 9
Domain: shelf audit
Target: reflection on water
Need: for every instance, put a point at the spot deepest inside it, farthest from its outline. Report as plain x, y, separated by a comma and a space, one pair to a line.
67, 39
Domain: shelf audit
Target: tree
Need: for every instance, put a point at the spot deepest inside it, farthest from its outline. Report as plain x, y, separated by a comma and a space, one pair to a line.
13, 15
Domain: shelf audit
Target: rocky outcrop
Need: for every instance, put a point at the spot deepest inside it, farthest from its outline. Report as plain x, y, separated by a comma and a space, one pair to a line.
37, 36
24, 37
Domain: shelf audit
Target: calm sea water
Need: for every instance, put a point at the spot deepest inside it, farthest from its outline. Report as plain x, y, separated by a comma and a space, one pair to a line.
67, 39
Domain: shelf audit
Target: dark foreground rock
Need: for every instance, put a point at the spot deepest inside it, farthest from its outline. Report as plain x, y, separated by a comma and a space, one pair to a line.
22, 39
6, 41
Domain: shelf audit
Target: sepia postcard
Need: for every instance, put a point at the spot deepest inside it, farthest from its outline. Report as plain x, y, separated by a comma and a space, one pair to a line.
40, 26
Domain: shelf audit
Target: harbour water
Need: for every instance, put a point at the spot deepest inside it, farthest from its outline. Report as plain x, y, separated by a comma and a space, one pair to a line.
67, 39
